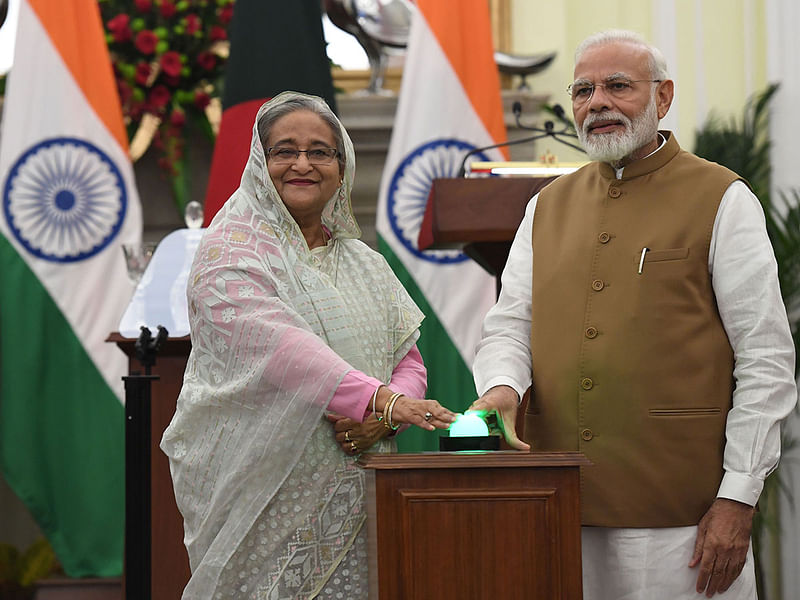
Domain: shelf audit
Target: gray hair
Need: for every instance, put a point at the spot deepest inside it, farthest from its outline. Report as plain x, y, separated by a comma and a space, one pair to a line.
299, 102
658, 66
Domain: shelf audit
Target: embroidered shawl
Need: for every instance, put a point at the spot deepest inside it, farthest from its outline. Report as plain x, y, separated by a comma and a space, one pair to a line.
274, 329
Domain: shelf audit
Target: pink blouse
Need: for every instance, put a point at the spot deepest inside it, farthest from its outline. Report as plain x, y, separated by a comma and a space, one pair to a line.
354, 394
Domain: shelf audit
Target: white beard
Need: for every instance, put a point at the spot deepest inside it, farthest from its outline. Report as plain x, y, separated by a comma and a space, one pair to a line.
613, 147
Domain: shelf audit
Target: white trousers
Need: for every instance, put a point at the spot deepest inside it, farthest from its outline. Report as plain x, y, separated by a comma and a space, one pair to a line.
649, 564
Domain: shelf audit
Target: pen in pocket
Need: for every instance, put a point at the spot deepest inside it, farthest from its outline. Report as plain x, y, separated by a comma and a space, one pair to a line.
641, 259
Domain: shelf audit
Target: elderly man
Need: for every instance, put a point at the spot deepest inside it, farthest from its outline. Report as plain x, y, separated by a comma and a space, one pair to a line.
641, 302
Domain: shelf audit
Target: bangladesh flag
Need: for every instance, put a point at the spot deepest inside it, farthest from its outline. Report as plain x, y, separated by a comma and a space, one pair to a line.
276, 45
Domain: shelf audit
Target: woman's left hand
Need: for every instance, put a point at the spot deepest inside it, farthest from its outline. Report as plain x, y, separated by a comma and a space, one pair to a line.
355, 437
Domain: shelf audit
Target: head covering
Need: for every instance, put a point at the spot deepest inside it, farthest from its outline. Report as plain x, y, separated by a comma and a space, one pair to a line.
256, 185
274, 327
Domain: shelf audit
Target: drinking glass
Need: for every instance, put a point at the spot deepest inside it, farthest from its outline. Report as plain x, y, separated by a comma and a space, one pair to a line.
137, 257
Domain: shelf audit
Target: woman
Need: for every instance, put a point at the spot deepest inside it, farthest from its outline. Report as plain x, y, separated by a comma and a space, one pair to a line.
291, 317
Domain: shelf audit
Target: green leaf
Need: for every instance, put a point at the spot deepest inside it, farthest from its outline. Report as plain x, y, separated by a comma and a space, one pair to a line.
37, 562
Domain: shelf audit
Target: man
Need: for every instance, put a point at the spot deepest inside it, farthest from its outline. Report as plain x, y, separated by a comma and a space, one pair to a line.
641, 299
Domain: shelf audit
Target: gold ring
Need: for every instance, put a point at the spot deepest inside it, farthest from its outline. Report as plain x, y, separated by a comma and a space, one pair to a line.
428, 416
347, 436
353, 447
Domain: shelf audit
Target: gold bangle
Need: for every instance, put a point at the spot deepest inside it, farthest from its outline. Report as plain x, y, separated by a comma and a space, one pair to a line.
388, 412
386, 408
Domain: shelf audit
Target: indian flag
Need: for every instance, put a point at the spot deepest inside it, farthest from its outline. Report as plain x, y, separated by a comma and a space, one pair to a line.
68, 202
449, 104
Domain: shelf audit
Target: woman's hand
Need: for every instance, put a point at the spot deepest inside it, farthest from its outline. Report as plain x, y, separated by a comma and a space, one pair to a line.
355, 437
504, 401
426, 414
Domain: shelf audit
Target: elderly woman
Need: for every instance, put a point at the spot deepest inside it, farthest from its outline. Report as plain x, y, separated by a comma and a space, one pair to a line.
294, 322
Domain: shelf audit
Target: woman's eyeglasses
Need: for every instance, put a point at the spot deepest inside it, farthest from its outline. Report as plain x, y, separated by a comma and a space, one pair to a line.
316, 156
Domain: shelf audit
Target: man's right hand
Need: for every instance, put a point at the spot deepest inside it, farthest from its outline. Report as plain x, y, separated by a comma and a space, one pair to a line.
504, 401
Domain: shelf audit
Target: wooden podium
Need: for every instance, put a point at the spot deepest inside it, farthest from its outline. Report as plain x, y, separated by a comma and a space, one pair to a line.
478, 216
474, 525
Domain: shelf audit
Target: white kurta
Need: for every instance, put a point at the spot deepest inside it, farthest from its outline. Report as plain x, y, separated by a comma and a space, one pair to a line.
652, 563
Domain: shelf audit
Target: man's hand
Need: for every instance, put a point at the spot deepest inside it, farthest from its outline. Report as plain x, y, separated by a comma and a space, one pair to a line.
723, 538
504, 401
355, 437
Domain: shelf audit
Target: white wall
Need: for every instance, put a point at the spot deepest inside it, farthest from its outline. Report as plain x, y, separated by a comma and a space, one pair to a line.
715, 49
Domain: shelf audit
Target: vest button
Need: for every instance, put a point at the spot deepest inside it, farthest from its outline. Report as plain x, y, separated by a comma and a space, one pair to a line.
604, 237
587, 383
598, 285
591, 332
587, 434
614, 192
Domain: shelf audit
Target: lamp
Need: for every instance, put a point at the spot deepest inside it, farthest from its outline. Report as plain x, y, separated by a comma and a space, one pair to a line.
469, 432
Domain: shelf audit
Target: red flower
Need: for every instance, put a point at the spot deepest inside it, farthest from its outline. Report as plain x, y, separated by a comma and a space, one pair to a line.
171, 63
217, 33
201, 100
177, 118
125, 91
120, 29
143, 5
167, 9
159, 96
226, 14
142, 73
192, 24
136, 110
206, 60
146, 41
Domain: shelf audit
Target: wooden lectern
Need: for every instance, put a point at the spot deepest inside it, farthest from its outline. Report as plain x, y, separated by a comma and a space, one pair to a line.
484, 525
478, 216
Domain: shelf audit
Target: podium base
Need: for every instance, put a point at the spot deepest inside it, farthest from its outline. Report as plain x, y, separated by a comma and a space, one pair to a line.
469, 442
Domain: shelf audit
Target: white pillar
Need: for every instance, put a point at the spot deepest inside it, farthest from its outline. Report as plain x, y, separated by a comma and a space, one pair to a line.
665, 38
783, 67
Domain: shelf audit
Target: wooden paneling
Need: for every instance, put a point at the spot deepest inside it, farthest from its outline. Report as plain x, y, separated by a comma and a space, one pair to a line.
492, 525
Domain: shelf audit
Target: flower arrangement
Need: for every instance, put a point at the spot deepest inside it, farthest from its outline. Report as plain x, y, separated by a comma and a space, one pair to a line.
168, 57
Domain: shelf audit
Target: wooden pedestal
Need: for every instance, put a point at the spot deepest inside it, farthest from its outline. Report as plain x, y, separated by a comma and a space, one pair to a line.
474, 525
165, 555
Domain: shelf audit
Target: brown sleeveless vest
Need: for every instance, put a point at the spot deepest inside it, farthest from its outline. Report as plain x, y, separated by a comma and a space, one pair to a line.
632, 369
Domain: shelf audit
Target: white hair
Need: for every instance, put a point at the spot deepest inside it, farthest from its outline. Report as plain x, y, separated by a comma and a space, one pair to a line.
658, 66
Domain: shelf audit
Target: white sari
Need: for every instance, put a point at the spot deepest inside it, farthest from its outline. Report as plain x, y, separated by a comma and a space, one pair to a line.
272, 507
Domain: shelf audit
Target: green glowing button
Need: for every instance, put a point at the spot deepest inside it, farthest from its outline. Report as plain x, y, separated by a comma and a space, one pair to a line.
470, 424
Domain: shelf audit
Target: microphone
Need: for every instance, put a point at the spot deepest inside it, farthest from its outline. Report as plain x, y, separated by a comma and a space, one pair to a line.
463, 168
548, 131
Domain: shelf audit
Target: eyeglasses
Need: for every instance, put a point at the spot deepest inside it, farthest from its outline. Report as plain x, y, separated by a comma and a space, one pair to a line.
282, 155
620, 88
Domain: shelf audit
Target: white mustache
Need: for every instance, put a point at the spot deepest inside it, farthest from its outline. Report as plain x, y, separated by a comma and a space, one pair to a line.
593, 118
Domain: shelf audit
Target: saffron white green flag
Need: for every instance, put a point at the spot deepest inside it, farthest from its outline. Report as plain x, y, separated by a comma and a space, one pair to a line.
449, 104
68, 202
